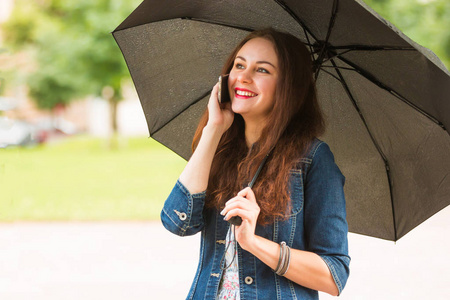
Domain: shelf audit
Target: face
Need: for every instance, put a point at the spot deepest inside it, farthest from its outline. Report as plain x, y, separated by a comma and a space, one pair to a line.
253, 79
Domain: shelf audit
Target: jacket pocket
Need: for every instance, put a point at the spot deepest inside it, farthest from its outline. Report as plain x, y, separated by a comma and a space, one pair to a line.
296, 191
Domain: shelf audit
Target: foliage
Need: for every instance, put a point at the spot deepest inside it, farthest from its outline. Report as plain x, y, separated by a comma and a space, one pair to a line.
72, 45
77, 56
424, 21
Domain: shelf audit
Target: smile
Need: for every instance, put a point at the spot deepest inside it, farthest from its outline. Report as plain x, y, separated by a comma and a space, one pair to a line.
245, 93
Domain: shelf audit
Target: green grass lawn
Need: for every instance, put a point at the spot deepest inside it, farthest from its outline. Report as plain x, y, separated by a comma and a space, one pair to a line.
80, 179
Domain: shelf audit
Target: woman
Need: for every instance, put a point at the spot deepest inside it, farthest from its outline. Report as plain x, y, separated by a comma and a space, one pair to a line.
292, 241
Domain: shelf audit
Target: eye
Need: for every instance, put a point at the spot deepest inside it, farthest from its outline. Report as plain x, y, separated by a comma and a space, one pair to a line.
239, 66
262, 70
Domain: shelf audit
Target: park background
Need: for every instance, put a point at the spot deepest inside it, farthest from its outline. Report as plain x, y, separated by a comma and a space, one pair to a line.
82, 185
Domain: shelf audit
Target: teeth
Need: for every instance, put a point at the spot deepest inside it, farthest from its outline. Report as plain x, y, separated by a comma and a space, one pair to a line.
244, 93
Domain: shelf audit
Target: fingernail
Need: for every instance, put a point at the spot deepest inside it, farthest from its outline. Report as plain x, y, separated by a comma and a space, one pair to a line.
222, 212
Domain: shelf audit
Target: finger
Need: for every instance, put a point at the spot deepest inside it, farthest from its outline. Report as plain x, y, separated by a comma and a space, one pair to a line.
245, 206
244, 203
236, 199
243, 213
234, 203
248, 194
213, 98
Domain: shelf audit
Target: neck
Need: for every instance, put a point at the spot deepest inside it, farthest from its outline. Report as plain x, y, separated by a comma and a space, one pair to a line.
253, 132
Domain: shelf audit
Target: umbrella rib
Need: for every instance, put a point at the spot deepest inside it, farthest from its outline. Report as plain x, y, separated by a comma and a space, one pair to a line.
334, 55
373, 79
311, 49
295, 17
218, 23
383, 156
190, 105
331, 74
240, 28
341, 68
371, 48
324, 49
362, 48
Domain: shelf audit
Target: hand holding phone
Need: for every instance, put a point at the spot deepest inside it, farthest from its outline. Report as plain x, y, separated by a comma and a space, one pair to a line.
223, 95
237, 220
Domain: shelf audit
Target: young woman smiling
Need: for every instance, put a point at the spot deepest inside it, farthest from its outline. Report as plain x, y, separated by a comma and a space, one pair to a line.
292, 241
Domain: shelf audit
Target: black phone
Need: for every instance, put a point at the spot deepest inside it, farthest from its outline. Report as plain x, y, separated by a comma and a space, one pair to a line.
223, 95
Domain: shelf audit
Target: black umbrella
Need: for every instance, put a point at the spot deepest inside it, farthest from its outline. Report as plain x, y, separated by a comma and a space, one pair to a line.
386, 98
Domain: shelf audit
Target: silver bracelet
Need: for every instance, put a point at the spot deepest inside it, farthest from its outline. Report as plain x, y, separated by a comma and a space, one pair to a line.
284, 260
277, 269
287, 262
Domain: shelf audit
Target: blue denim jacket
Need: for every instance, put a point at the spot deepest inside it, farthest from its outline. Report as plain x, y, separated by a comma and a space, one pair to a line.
317, 223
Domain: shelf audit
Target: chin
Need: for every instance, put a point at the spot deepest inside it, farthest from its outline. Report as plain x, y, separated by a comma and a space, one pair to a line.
238, 109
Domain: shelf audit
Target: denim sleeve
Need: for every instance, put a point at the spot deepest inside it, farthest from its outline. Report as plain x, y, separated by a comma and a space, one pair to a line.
182, 213
325, 214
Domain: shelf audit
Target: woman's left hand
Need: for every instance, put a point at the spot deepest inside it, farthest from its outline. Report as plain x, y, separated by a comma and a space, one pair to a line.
245, 206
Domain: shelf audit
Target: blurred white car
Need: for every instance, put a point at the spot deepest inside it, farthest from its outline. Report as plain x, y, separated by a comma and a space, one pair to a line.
19, 133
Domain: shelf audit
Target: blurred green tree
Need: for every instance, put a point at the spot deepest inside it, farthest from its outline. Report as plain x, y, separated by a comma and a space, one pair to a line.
76, 56
74, 51
424, 21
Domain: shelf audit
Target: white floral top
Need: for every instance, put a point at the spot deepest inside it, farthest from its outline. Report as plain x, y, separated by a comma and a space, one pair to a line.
229, 285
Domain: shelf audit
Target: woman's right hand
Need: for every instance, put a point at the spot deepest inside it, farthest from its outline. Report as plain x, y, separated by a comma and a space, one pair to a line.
195, 175
219, 115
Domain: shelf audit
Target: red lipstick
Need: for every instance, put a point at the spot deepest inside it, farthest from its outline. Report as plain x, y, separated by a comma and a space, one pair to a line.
242, 93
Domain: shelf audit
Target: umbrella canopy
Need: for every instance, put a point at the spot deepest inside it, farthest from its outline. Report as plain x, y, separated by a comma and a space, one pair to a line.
385, 98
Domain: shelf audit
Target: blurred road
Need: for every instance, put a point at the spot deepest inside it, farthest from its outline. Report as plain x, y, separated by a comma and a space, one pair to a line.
135, 261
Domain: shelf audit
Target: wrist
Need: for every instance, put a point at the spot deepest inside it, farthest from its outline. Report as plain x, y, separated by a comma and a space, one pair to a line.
253, 245
209, 140
265, 250
213, 130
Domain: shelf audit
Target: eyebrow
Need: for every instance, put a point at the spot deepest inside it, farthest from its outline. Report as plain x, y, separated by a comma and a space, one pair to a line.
258, 62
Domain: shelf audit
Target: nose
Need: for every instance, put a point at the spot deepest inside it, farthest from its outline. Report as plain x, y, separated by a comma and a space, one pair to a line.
245, 76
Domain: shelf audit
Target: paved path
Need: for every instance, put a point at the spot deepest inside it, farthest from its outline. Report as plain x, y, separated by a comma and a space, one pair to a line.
135, 261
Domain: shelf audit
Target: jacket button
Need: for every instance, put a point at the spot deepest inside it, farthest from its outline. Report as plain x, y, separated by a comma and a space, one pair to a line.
182, 216
248, 280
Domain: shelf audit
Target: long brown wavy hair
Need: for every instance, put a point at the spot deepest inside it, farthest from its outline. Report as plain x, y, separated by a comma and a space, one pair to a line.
293, 123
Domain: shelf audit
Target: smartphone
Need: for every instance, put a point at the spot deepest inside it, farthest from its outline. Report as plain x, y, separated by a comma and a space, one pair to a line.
223, 95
